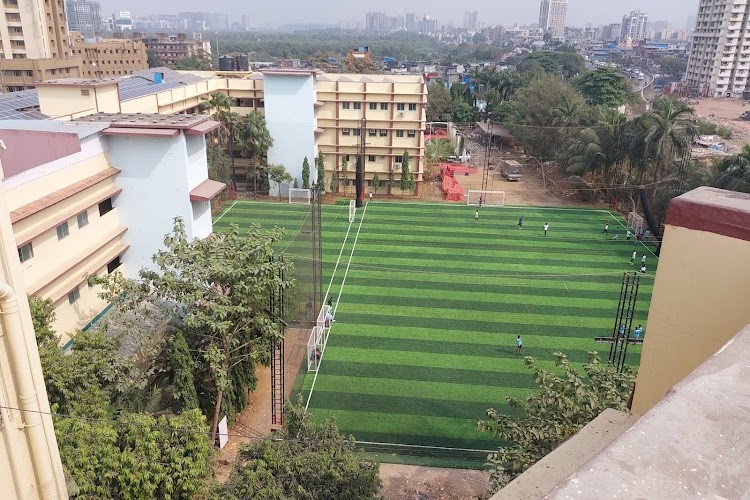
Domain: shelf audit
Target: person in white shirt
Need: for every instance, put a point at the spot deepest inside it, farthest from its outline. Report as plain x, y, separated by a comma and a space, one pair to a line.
546, 227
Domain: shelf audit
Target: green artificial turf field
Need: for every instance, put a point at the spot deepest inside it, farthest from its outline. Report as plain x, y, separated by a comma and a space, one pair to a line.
432, 301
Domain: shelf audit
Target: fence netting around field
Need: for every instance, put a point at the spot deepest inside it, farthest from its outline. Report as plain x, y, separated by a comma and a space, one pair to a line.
302, 247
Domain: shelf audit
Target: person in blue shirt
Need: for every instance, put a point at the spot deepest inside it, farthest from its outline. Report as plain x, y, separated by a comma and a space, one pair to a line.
638, 331
519, 345
622, 329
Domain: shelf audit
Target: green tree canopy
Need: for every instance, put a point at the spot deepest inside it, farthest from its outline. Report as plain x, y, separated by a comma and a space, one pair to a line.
305, 174
407, 181
564, 403
439, 103
321, 168
308, 461
733, 173
604, 87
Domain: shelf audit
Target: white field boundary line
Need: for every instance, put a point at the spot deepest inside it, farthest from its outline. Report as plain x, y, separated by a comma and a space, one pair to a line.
341, 290
423, 447
225, 212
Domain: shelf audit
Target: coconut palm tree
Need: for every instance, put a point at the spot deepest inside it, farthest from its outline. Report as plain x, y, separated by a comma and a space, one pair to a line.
734, 172
666, 135
602, 149
219, 105
255, 140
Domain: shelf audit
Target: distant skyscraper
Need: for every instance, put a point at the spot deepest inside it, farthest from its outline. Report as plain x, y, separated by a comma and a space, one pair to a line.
84, 16
246, 22
719, 54
471, 18
691, 24
634, 26
375, 21
410, 21
552, 15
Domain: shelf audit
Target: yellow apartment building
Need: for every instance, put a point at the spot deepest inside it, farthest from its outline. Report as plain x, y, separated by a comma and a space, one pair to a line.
108, 57
323, 111
87, 198
34, 44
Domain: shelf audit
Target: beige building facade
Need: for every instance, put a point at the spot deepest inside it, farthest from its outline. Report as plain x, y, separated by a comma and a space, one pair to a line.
109, 57
701, 290
30, 466
393, 108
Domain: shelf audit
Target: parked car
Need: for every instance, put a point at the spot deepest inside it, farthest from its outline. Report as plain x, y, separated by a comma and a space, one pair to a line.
511, 170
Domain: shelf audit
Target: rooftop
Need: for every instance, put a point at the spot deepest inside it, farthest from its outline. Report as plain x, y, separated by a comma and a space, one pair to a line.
83, 130
125, 120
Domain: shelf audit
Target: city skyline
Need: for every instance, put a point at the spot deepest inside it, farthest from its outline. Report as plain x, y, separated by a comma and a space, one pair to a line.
503, 12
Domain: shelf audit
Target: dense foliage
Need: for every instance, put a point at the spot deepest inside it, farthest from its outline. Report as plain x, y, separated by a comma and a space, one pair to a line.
109, 450
308, 461
217, 289
565, 402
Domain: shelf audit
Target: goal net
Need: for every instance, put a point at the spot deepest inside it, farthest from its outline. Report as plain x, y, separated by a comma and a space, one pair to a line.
485, 198
352, 210
635, 222
297, 195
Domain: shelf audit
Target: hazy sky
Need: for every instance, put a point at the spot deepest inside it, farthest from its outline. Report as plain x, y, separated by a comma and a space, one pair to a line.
505, 12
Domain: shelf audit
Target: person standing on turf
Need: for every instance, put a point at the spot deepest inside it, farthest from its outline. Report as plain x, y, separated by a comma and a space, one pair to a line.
520, 222
546, 227
476, 216
519, 345
638, 331
632, 257
643, 259
643, 268
480, 202
627, 236
606, 228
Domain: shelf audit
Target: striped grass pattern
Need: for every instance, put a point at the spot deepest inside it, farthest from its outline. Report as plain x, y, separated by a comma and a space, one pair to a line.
424, 341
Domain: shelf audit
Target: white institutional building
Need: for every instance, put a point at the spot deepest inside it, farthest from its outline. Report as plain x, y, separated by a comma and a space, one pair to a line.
552, 15
719, 63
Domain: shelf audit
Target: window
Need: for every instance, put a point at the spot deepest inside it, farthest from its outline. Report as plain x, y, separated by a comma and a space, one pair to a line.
371, 158
113, 264
345, 105
383, 106
345, 131
346, 158
85, 92
74, 295
400, 106
63, 230
398, 159
105, 206
83, 219
356, 132
412, 107
411, 133
399, 133
357, 105
383, 133
373, 106
372, 132
25, 252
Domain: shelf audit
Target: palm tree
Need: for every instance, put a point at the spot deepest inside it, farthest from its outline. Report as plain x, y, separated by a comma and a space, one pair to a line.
255, 141
666, 135
220, 106
734, 172
601, 149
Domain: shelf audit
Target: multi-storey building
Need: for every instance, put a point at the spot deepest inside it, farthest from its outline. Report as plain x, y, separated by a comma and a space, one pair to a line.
471, 20
611, 32
78, 205
719, 64
552, 14
375, 21
634, 26
173, 48
84, 16
109, 57
34, 44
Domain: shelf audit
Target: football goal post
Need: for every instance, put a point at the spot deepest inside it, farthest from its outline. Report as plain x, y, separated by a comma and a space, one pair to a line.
635, 222
352, 210
297, 195
485, 198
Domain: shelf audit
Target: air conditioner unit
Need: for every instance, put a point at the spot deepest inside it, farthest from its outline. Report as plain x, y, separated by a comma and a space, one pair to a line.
401, 114
397, 165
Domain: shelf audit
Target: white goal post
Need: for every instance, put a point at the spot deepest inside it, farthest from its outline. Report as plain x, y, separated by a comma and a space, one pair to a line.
352, 210
635, 222
297, 195
479, 198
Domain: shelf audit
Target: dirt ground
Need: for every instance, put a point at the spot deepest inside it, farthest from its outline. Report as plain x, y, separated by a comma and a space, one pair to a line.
726, 113
409, 482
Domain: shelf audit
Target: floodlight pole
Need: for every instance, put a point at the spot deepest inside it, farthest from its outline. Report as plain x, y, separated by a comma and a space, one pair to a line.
488, 152
360, 167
